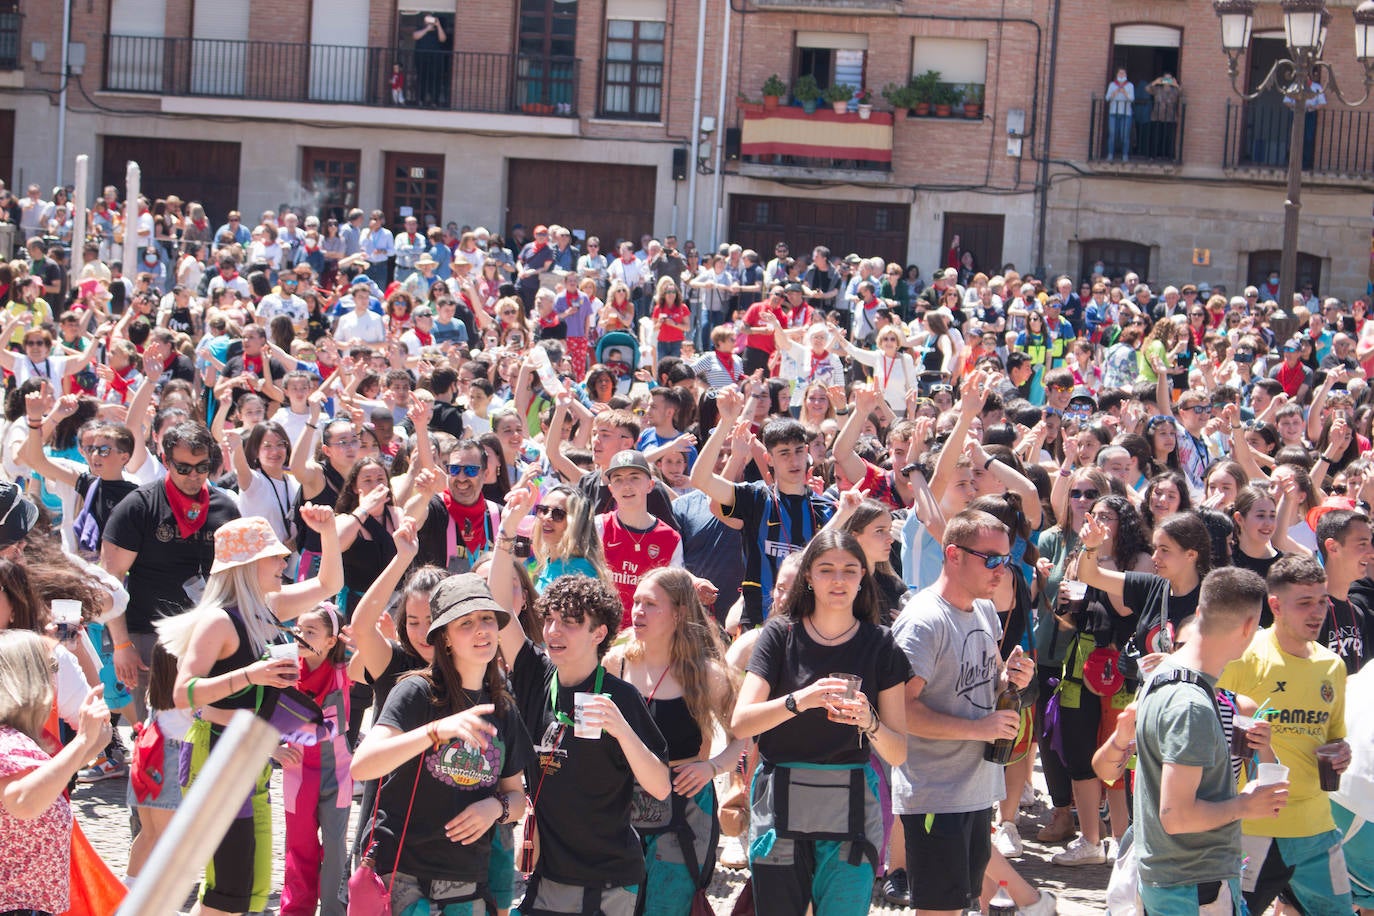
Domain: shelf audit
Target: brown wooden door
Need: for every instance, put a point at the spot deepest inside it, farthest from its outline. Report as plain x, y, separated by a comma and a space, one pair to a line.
844, 226
194, 170
1262, 263
414, 181
979, 233
329, 180
1118, 259
608, 201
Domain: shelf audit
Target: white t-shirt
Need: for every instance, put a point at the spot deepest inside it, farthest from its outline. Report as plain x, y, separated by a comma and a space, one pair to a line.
367, 327
50, 369
71, 686
270, 499
293, 423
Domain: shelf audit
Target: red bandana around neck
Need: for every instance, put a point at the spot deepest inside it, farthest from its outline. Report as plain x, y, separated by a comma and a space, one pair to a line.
189, 511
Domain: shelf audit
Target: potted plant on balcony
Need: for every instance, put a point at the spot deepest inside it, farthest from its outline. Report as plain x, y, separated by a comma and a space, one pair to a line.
923, 91
839, 95
899, 97
864, 98
973, 100
807, 91
773, 90
945, 97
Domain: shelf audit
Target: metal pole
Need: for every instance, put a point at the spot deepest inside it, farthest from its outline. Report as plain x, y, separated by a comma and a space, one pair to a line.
1292, 205
717, 202
203, 818
695, 150
62, 95
133, 176
79, 191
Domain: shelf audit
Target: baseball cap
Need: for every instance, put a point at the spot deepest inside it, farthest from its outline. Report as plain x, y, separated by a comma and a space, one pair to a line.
852, 258
631, 459
18, 514
793, 288
461, 595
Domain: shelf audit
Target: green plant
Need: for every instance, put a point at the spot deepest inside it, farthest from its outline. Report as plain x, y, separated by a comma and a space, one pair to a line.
864, 96
806, 89
896, 96
924, 86
973, 92
774, 86
840, 92
946, 94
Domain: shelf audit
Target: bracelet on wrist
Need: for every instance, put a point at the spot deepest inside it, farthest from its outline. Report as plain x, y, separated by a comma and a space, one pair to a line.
126, 644
1066, 471
1091, 550
504, 799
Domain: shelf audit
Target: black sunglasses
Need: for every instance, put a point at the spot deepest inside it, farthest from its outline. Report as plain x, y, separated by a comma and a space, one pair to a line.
990, 560
184, 469
552, 512
468, 470
1084, 494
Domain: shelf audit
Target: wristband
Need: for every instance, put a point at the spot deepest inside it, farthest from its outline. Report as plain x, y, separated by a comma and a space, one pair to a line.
505, 807
433, 732
1092, 550
1066, 472
191, 692
843, 411
33, 425
124, 645
991, 458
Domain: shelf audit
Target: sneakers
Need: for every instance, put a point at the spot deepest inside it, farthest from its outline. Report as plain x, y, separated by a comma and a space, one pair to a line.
895, 889
1045, 906
1006, 839
1027, 797
1081, 852
105, 767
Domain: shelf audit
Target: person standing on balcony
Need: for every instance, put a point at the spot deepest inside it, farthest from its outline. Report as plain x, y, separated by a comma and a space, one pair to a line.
431, 44
379, 246
1166, 92
1120, 98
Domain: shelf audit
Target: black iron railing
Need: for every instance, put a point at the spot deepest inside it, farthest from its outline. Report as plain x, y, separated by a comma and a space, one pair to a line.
1336, 140
1145, 131
273, 71
10, 22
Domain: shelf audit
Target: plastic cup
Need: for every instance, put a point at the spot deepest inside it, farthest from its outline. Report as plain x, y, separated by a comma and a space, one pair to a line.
852, 684
288, 650
1271, 773
66, 610
1240, 734
1326, 769
1076, 591
579, 707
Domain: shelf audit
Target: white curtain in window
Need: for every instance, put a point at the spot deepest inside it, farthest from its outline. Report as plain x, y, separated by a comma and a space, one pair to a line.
219, 53
959, 60
338, 50
135, 63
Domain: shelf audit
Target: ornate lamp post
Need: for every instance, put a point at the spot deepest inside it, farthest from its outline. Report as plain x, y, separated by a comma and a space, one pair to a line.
1304, 27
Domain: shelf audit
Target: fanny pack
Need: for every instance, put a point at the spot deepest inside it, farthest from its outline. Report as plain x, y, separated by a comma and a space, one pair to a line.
815, 802
693, 827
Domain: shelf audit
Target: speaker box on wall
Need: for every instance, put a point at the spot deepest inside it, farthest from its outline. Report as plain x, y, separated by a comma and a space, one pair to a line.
732, 144
679, 164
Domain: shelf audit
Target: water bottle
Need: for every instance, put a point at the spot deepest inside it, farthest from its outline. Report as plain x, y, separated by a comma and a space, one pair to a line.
1001, 903
549, 379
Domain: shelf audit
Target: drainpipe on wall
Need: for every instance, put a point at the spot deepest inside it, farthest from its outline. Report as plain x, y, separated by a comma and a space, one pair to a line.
717, 202
1044, 183
62, 96
695, 130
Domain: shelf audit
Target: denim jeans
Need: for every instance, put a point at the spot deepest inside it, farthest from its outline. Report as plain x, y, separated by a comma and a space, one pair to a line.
1119, 134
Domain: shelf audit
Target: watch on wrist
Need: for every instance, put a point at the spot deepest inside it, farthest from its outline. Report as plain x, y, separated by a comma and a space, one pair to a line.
505, 807
791, 704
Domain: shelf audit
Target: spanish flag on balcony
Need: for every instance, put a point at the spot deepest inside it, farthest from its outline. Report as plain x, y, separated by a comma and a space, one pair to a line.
789, 131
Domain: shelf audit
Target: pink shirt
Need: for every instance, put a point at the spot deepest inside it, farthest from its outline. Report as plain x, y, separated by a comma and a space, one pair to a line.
35, 871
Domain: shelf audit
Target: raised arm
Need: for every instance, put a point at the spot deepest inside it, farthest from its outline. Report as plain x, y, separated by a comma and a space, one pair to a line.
730, 402
866, 400
32, 453
307, 471
367, 639
501, 575
553, 443
1108, 580
1240, 448
297, 598
970, 406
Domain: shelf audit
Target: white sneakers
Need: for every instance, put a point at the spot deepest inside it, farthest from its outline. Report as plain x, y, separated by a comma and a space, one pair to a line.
1081, 852
1006, 839
1045, 906
1027, 802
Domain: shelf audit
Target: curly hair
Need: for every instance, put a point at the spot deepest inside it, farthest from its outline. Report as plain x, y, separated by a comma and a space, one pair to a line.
575, 598
1132, 538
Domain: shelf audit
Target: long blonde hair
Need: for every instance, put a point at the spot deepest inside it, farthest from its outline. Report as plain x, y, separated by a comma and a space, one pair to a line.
235, 587
579, 537
696, 651
26, 682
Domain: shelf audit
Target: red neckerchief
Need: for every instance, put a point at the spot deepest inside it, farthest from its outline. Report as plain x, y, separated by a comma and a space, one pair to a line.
817, 361
801, 316
316, 684
252, 364
727, 362
424, 338
189, 511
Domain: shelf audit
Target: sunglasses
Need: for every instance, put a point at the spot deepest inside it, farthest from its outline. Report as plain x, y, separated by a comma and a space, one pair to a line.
345, 443
1061, 387
1158, 421
101, 451
990, 560
1084, 494
202, 467
1199, 408
555, 513
936, 389
464, 470
37, 343
1339, 489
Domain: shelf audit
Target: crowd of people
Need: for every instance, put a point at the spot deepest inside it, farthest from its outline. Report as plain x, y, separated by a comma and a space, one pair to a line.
629, 551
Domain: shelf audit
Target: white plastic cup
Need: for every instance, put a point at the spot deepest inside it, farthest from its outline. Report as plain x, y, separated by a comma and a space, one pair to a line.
579, 707
288, 650
1076, 590
1271, 773
66, 610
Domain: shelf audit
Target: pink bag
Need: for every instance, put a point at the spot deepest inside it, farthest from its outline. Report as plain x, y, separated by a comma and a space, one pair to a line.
367, 895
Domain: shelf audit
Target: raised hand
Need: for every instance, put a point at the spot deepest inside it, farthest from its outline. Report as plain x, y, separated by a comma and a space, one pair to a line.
375, 499
317, 518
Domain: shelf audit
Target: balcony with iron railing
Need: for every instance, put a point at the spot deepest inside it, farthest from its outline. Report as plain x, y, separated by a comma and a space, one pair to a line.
1144, 133
787, 141
271, 71
1338, 141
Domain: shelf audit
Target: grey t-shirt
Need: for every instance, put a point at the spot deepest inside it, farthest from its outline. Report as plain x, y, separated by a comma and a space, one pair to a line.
955, 653
1176, 724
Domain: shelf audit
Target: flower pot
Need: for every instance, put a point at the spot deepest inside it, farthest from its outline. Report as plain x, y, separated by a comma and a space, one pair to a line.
770, 103
809, 105
865, 111
922, 109
973, 110
840, 107
943, 111
899, 114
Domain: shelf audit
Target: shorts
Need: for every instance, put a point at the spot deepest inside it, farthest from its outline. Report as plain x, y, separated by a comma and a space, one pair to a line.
116, 694
1358, 843
169, 798
946, 856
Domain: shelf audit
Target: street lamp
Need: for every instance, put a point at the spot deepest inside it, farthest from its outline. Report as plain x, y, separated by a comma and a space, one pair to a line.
1305, 25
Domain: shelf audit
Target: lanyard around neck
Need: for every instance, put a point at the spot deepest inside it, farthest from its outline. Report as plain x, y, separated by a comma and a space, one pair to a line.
563, 717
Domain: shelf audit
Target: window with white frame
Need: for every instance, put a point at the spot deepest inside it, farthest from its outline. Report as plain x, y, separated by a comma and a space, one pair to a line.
632, 71
961, 62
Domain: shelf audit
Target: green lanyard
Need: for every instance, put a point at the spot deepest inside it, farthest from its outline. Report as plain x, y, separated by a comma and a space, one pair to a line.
562, 717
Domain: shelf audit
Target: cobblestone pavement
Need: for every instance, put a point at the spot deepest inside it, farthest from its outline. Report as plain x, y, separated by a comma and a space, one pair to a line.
101, 810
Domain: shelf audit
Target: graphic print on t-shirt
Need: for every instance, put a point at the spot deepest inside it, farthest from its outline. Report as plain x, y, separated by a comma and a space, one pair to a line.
550, 750
464, 766
977, 668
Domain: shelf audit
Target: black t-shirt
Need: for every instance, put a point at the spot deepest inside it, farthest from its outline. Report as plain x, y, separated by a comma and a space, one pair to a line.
110, 494
143, 522
1348, 630
789, 659
787, 531
1148, 594
1259, 566
401, 663
455, 777
583, 809
180, 368
660, 503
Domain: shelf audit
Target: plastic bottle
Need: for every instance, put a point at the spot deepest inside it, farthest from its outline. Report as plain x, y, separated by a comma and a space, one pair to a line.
1001, 903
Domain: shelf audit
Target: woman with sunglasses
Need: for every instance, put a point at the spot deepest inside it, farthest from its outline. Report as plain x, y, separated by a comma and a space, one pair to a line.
893, 369
564, 541
1096, 621
1035, 341
1058, 546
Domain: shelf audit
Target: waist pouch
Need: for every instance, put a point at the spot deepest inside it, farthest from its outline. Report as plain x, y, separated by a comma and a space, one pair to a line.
801, 802
691, 821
